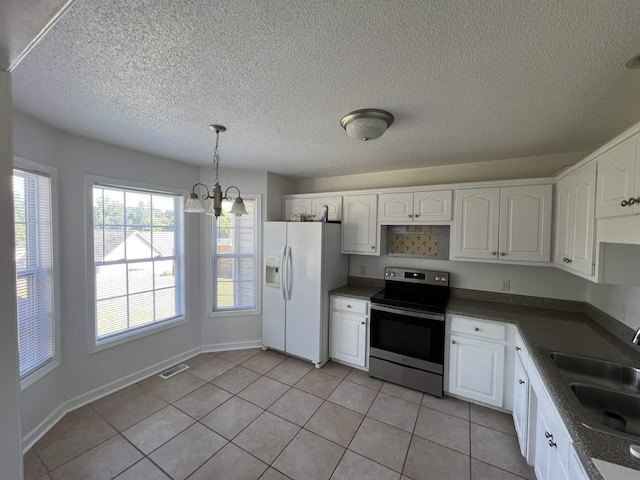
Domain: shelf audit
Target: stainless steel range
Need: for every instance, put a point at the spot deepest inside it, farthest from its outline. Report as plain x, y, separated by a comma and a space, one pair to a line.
408, 329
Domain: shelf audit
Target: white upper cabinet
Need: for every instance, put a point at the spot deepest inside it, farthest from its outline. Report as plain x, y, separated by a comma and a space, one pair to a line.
476, 223
432, 206
575, 218
617, 180
360, 232
396, 207
506, 224
415, 207
525, 223
334, 204
296, 206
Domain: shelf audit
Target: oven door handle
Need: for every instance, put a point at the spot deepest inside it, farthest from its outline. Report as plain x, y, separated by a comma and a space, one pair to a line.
409, 313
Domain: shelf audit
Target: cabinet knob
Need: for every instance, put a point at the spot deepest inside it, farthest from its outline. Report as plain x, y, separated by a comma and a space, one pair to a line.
494, 253
453, 342
477, 329
632, 201
373, 247
348, 306
624, 203
520, 381
364, 323
417, 214
552, 443
410, 216
503, 254
548, 435
518, 349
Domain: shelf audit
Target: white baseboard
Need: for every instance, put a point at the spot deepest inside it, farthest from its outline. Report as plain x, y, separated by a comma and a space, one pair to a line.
54, 417
221, 347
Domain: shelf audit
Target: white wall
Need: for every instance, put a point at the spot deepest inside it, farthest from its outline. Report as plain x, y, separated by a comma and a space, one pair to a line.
620, 301
10, 434
79, 371
277, 186
527, 167
525, 280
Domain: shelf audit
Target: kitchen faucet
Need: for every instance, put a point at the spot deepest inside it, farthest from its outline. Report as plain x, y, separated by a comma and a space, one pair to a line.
636, 338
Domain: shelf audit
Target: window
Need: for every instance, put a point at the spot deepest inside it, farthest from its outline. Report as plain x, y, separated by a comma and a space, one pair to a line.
138, 257
34, 272
234, 256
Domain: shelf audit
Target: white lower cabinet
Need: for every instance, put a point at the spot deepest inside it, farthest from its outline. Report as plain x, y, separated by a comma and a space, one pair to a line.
521, 405
349, 330
477, 359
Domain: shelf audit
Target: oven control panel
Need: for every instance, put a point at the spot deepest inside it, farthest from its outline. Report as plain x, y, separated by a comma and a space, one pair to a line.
427, 277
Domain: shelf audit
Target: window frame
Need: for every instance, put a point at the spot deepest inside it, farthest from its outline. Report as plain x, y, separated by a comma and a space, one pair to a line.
29, 166
209, 272
95, 344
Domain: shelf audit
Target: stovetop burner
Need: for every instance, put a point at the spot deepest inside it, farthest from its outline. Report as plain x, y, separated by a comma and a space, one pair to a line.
415, 289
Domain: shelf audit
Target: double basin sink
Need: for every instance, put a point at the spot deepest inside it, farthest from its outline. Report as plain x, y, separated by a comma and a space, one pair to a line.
606, 395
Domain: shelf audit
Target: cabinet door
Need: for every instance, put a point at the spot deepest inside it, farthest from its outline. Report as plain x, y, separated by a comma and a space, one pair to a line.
348, 337
552, 447
616, 179
545, 455
565, 219
521, 405
396, 207
334, 204
525, 223
584, 218
296, 206
432, 206
476, 223
360, 233
476, 369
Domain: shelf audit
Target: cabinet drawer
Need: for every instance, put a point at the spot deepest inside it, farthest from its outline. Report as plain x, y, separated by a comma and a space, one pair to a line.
479, 328
351, 305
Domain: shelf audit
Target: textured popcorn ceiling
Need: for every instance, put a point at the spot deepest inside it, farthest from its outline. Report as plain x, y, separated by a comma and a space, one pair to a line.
465, 80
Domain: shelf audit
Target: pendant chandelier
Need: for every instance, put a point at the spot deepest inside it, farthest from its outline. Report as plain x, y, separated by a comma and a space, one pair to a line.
193, 204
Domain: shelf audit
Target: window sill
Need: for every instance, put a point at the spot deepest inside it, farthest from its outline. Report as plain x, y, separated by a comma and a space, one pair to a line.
127, 337
234, 313
38, 374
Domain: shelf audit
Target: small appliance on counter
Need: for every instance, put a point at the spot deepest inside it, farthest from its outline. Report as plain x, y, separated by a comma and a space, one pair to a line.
408, 329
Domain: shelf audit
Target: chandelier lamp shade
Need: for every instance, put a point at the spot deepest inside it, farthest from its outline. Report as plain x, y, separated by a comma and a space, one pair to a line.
366, 124
193, 204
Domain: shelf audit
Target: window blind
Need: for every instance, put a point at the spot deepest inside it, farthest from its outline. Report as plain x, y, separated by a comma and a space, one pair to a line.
34, 269
234, 259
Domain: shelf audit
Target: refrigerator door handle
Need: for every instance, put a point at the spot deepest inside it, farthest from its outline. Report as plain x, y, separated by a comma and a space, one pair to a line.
288, 275
283, 253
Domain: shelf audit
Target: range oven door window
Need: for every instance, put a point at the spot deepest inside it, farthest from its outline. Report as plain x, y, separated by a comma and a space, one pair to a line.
408, 335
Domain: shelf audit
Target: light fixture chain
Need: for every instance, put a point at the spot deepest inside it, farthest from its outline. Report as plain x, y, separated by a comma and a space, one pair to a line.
216, 157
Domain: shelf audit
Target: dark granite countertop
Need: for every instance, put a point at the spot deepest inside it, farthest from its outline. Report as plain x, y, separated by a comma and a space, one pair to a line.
571, 332
362, 292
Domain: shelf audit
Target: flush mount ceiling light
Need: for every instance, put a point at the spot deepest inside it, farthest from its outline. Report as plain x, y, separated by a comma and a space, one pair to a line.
366, 124
193, 204
633, 62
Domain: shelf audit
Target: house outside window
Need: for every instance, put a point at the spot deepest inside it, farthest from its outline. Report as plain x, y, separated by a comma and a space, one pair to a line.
234, 259
35, 274
138, 260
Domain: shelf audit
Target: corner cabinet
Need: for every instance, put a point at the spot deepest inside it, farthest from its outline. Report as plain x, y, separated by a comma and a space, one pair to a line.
575, 218
360, 232
349, 331
432, 206
619, 180
510, 224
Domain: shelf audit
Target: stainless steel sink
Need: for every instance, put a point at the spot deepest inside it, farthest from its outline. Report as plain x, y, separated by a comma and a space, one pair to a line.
615, 410
606, 395
616, 376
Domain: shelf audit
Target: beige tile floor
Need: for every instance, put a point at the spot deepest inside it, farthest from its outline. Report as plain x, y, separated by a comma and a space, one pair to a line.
251, 415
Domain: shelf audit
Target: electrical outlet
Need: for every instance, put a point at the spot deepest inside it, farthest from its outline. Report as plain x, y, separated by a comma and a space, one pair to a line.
363, 270
505, 284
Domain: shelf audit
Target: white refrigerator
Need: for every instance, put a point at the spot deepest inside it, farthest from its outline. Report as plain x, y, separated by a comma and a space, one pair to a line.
302, 264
